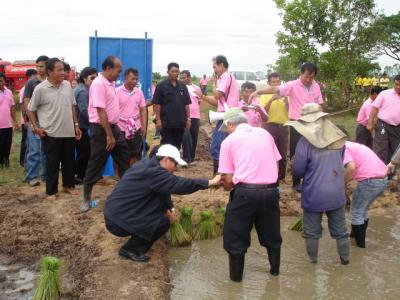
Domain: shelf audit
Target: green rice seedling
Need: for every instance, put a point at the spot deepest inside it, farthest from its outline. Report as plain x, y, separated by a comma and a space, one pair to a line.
186, 219
207, 227
178, 236
220, 218
298, 226
48, 286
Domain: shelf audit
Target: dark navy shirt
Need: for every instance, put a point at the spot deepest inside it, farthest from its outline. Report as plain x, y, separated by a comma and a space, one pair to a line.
323, 179
173, 101
139, 200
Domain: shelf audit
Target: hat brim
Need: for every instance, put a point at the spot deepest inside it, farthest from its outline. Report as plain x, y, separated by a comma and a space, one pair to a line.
313, 117
180, 161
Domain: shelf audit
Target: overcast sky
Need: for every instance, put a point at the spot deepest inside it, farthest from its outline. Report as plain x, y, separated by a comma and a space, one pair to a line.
188, 32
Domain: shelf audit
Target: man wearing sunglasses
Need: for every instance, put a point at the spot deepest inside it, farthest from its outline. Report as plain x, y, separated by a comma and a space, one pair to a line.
140, 205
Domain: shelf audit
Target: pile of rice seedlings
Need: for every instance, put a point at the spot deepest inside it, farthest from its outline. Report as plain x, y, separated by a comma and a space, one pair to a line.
48, 286
207, 227
178, 236
298, 226
186, 219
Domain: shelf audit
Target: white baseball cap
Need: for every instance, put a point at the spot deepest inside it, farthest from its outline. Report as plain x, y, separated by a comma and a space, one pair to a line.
170, 151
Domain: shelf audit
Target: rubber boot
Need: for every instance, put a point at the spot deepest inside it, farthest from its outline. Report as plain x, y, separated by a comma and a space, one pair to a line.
312, 249
236, 266
343, 247
359, 235
274, 257
366, 225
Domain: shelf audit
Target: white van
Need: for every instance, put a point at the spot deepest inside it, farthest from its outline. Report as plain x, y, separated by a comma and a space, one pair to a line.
256, 77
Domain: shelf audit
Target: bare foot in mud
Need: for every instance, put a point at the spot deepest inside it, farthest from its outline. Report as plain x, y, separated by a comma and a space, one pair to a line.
51, 197
70, 191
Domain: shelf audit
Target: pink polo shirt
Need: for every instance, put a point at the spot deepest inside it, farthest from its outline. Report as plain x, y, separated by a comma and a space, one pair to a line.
6, 103
368, 164
21, 101
130, 104
226, 84
204, 81
299, 95
388, 103
253, 117
363, 114
194, 107
250, 154
102, 94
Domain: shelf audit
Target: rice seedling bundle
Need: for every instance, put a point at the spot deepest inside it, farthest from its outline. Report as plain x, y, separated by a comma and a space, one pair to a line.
186, 219
207, 227
48, 286
298, 226
178, 236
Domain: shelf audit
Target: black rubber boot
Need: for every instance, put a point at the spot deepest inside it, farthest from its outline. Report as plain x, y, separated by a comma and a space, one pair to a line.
359, 235
366, 225
236, 266
274, 257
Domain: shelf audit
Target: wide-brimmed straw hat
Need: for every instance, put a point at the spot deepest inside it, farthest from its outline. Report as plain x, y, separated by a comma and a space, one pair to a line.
315, 127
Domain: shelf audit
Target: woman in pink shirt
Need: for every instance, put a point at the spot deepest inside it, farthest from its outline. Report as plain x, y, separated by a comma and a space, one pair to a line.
203, 85
255, 114
7, 117
363, 135
364, 166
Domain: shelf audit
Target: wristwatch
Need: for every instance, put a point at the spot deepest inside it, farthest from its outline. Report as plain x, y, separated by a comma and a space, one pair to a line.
172, 209
76, 124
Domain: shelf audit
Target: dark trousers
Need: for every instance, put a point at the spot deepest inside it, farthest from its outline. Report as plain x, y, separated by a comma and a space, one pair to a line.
135, 146
364, 136
190, 137
173, 136
248, 206
82, 154
23, 150
99, 154
136, 243
386, 140
5, 145
294, 139
280, 134
59, 150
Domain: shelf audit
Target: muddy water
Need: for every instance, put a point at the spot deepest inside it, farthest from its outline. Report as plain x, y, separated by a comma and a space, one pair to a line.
201, 270
16, 281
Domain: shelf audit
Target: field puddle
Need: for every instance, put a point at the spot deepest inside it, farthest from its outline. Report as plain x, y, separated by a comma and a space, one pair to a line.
17, 282
200, 271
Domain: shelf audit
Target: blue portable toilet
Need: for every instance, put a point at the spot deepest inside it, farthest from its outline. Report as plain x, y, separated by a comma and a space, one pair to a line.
133, 53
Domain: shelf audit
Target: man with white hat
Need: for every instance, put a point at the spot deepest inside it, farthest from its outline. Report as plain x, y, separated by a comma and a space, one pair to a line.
248, 162
140, 205
319, 161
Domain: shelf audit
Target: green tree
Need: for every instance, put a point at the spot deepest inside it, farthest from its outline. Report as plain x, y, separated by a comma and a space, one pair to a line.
387, 32
331, 33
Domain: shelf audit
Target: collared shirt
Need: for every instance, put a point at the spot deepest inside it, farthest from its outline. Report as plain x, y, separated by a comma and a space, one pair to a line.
368, 164
6, 104
299, 95
173, 101
388, 103
102, 94
81, 94
30, 86
130, 103
21, 101
253, 117
194, 107
322, 170
277, 112
250, 154
53, 106
363, 114
203, 81
140, 199
227, 85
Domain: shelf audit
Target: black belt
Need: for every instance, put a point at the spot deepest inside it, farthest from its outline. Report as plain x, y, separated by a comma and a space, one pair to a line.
257, 186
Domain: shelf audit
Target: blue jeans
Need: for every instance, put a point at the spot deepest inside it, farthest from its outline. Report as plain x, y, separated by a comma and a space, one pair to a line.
217, 139
336, 223
35, 157
365, 193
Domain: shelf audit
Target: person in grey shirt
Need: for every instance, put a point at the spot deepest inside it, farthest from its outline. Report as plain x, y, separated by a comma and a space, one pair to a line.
54, 103
81, 94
